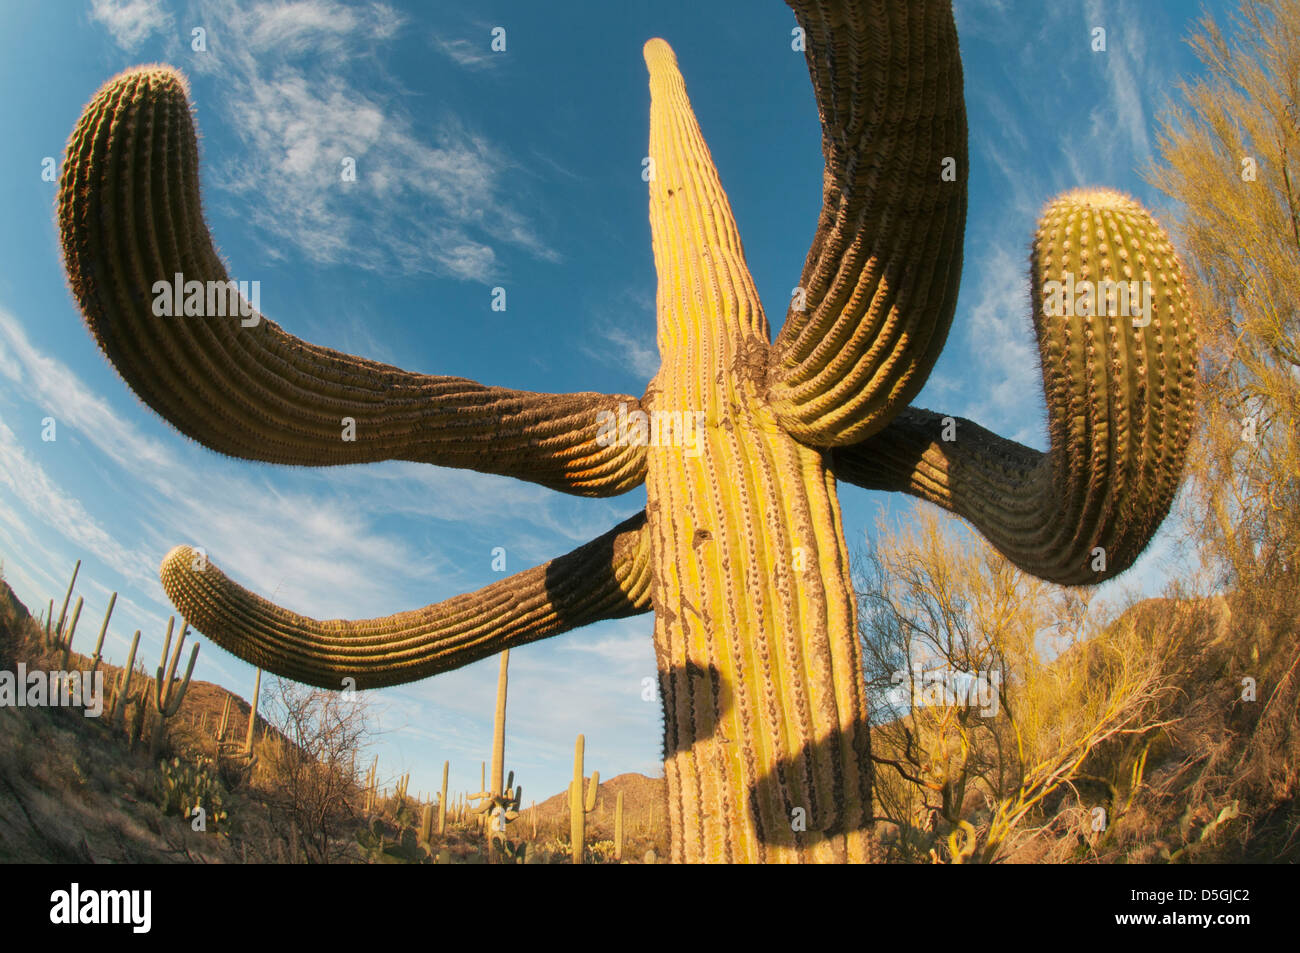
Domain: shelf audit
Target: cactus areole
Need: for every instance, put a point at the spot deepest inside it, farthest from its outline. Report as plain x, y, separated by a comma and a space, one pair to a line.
740, 551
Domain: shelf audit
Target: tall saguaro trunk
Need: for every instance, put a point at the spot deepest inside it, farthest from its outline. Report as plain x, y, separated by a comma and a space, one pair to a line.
755, 628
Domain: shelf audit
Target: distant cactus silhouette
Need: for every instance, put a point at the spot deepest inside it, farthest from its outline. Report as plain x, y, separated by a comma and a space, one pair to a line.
499, 798
167, 692
582, 801
740, 551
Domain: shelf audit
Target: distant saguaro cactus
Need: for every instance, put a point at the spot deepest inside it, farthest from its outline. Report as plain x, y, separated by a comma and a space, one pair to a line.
52, 638
65, 638
579, 805
250, 737
167, 694
500, 798
103, 631
123, 692
740, 550
442, 800
371, 792
618, 827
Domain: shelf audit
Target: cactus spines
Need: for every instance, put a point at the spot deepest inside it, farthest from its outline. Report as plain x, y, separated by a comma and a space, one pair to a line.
167, 694
741, 542
123, 692
103, 630
580, 806
442, 800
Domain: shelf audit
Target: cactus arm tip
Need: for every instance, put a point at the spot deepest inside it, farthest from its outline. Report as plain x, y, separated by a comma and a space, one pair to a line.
1117, 347
607, 578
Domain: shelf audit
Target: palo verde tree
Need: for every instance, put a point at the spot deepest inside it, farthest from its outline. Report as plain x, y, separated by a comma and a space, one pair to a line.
739, 552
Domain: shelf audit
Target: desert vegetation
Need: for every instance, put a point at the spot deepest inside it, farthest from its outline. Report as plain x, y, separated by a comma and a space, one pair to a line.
192, 773
1165, 730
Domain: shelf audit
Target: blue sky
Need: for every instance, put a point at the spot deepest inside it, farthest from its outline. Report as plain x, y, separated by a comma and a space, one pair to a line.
477, 169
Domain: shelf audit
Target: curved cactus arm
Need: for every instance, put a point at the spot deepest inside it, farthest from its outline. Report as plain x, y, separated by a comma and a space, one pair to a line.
876, 297
1120, 393
608, 578
131, 220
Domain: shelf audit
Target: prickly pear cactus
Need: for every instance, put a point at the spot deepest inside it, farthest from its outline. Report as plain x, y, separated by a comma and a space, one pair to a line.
740, 551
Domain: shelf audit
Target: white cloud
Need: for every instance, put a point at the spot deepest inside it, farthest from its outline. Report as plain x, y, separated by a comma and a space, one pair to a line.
51, 383
616, 344
1005, 386
465, 53
27, 480
427, 199
1122, 61
131, 22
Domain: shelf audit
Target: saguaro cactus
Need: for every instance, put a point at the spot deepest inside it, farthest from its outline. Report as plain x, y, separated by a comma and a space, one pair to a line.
250, 735
442, 800
580, 806
123, 693
65, 638
740, 551
57, 635
167, 694
225, 721
618, 827
371, 780
501, 797
103, 631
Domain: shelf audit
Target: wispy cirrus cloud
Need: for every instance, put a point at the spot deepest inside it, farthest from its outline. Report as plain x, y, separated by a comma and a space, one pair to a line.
28, 481
425, 199
309, 544
336, 175
623, 332
638, 352
131, 22
465, 53
1126, 71
301, 26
